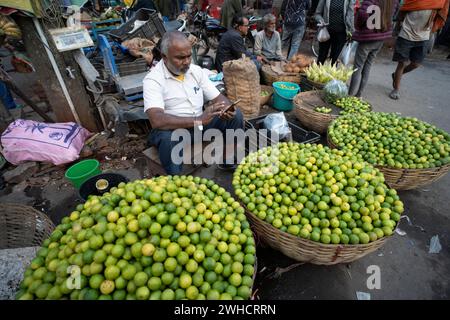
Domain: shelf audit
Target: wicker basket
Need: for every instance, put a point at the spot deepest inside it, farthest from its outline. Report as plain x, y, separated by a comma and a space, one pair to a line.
265, 100
23, 226
309, 85
269, 76
407, 179
307, 250
304, 104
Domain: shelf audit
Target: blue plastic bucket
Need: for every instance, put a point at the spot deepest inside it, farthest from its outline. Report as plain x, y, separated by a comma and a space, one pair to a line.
282, 97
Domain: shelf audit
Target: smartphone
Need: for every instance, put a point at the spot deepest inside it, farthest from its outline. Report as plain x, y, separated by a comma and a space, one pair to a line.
230, 106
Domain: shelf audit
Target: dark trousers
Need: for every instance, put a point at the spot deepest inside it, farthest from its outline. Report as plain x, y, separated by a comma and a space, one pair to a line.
336, 42
162, 140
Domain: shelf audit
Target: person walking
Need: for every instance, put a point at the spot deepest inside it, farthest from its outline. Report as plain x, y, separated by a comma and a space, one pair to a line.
293, 13
370, 37
230, 8
416, 21
338, 15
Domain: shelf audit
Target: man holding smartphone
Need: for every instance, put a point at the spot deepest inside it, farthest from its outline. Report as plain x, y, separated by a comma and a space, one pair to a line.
174, 95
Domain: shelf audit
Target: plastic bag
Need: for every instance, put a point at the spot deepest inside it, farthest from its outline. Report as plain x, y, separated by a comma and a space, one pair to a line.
335, 89
348, 53
28, 140
277, 124
323, 35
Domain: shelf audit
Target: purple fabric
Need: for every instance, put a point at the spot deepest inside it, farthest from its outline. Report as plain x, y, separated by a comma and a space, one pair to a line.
362, 33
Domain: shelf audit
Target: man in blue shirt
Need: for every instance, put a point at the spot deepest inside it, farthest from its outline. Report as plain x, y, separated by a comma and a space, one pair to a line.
293, 13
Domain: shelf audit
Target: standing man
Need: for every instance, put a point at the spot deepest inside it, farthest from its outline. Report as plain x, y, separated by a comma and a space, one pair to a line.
417, 19
268, 41
293, 13
174, 94
230, 8
232, 45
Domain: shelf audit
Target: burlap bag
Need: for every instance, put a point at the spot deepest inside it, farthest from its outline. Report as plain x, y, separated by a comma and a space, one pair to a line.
139, 47
242, 82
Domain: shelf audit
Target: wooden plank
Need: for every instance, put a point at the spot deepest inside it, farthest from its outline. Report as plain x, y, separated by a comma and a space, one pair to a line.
58, 102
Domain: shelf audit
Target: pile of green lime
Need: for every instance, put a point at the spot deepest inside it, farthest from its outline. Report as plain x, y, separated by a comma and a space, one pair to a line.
166, 238
323, 109
387, 139
352, 105
317, 193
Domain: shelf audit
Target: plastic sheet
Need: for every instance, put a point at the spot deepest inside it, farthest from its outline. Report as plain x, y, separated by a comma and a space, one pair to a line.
435, 245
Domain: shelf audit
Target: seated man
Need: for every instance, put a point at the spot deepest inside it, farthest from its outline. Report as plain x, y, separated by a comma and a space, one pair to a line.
232, 45
174, 95
268, 41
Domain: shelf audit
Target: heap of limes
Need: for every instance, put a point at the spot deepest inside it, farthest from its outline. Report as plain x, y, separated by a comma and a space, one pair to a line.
162, 238
352, 105
317, 193
323, 109
387, 139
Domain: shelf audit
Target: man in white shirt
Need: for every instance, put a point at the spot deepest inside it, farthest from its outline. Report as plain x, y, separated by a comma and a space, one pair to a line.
174, 94
410, 45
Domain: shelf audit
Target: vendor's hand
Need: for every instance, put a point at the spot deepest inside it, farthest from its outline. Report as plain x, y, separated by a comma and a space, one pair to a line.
259, 58
211, 112
228, 115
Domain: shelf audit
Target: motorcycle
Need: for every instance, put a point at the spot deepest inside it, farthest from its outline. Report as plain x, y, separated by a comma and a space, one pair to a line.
207, 30
254, 26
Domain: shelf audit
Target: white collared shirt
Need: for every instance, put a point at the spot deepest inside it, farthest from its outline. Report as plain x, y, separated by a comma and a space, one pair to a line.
179, 98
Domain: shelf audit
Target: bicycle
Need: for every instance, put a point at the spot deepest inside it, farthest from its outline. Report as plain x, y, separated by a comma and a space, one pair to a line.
313, 30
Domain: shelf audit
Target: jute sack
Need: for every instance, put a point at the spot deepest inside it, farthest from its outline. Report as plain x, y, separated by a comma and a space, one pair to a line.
242, 82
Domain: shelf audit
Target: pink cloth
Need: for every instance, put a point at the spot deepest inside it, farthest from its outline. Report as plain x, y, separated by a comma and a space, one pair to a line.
58, 143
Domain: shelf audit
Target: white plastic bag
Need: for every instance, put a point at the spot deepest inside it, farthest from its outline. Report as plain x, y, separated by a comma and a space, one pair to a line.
323, 35
348, 53
334, 90
277, 124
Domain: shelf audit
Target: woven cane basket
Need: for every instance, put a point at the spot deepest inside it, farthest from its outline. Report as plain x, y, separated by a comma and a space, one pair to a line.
304, 104
23, 226
307, 250
265, 100
309, 85
269, 76
407, 179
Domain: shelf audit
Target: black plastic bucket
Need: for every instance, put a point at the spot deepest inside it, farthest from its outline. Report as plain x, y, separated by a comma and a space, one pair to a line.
88, 187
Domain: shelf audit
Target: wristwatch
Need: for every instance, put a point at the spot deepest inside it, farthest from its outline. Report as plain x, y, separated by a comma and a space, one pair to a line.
198, 123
